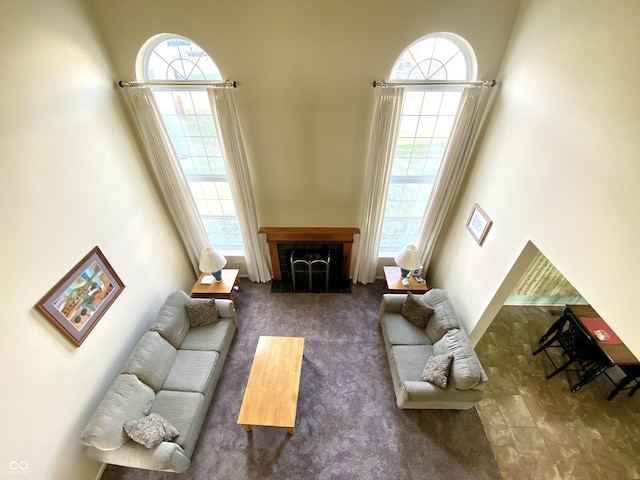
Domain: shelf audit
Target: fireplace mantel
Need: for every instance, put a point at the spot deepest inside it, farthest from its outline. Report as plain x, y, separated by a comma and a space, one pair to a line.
343, 235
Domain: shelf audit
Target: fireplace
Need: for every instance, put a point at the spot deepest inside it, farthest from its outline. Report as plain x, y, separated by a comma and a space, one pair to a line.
325, 243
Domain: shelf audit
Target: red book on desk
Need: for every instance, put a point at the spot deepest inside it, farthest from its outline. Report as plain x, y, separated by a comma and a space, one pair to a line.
600, 330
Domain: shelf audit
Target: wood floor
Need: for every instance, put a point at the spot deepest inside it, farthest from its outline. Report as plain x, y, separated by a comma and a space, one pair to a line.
537, 428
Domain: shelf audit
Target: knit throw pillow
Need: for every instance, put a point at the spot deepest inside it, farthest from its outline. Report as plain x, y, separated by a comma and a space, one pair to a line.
202, 313
151, 430
415, 311
436, 370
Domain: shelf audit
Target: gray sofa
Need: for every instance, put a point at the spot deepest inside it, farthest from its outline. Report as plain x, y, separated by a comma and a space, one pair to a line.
408, 348
173, 371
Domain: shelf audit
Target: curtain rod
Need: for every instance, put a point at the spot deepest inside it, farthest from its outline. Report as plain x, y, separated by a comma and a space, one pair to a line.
201, 83
481, 83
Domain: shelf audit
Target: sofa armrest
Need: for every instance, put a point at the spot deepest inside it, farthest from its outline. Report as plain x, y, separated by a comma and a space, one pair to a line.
392, 302
425, 392
168, 457
227, 309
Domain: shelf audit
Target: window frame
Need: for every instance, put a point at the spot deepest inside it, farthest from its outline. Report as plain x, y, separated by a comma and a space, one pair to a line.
385, 250
234, 244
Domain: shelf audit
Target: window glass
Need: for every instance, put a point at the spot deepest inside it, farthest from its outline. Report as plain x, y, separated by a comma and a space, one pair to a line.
186, 113
176, 58
426, 123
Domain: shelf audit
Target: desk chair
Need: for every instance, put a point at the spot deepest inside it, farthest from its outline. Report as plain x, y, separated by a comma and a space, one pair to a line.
582, 352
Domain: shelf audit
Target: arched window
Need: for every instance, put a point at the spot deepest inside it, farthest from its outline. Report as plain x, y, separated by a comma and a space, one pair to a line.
186, 112
427, 118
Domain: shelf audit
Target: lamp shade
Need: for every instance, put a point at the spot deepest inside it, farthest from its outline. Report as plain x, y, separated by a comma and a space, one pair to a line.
408, 258
211, 260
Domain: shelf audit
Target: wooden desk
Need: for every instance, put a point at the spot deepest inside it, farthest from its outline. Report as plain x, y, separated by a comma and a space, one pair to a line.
230, 279
271, 396
617, 353
394, 282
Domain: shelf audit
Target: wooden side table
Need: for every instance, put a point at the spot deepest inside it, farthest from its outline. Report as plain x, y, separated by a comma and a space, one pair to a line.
223, 289
394, 282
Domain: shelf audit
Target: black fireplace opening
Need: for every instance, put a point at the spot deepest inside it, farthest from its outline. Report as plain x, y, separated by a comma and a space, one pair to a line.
310, 268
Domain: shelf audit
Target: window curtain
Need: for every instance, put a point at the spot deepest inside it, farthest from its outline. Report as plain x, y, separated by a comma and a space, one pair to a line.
225, 113
168, 172
473, 106
386, 120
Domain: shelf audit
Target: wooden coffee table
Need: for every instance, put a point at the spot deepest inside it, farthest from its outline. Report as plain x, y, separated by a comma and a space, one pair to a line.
271, 395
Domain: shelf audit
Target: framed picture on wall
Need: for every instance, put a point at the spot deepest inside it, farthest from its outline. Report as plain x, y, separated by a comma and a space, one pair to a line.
478, 223
77, 302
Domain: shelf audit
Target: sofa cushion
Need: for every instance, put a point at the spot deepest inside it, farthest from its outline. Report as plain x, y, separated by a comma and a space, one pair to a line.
444, 317
466, 371
436, 370
171, 322
410, 360
151, 360
192, 371
185, 411
401, 332
127, 398
415, 311
202, 313
216, 336
150, 430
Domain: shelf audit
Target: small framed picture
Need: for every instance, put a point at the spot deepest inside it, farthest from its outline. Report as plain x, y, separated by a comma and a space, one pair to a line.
478, 223
76, 303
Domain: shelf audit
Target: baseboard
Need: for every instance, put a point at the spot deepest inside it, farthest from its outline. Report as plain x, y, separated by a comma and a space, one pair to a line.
101, 471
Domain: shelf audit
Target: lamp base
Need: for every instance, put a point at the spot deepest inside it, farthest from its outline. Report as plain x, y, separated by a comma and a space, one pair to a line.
404, 273
217, 275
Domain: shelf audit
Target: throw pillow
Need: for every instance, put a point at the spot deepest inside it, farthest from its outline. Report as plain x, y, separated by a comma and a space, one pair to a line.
436, 370
415, 311
151, 430
202, 313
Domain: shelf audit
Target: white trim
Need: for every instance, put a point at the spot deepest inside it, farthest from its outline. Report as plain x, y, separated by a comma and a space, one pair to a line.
547, 301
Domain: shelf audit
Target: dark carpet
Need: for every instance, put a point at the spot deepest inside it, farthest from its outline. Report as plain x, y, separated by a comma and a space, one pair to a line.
348, 426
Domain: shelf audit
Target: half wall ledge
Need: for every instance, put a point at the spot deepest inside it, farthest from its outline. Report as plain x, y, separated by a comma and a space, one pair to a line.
302, 235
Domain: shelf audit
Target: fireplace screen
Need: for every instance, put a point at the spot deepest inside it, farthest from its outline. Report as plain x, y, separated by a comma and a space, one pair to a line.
310, 270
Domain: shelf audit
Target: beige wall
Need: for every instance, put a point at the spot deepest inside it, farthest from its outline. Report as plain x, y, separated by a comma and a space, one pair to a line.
304, 70
559, 166
71, 177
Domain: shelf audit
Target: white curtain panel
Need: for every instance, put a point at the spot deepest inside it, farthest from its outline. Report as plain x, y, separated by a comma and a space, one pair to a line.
168, 172
386, 120
224, 110
471, 112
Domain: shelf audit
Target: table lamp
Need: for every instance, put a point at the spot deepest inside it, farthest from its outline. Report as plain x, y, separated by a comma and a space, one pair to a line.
408, 259
211, 262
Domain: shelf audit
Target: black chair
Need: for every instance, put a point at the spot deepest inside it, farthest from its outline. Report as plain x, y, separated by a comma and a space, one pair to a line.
632, 374
583, 354
551, 336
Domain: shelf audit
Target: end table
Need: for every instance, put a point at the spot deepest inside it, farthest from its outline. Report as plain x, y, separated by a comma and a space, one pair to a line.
394, 282
223, 289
